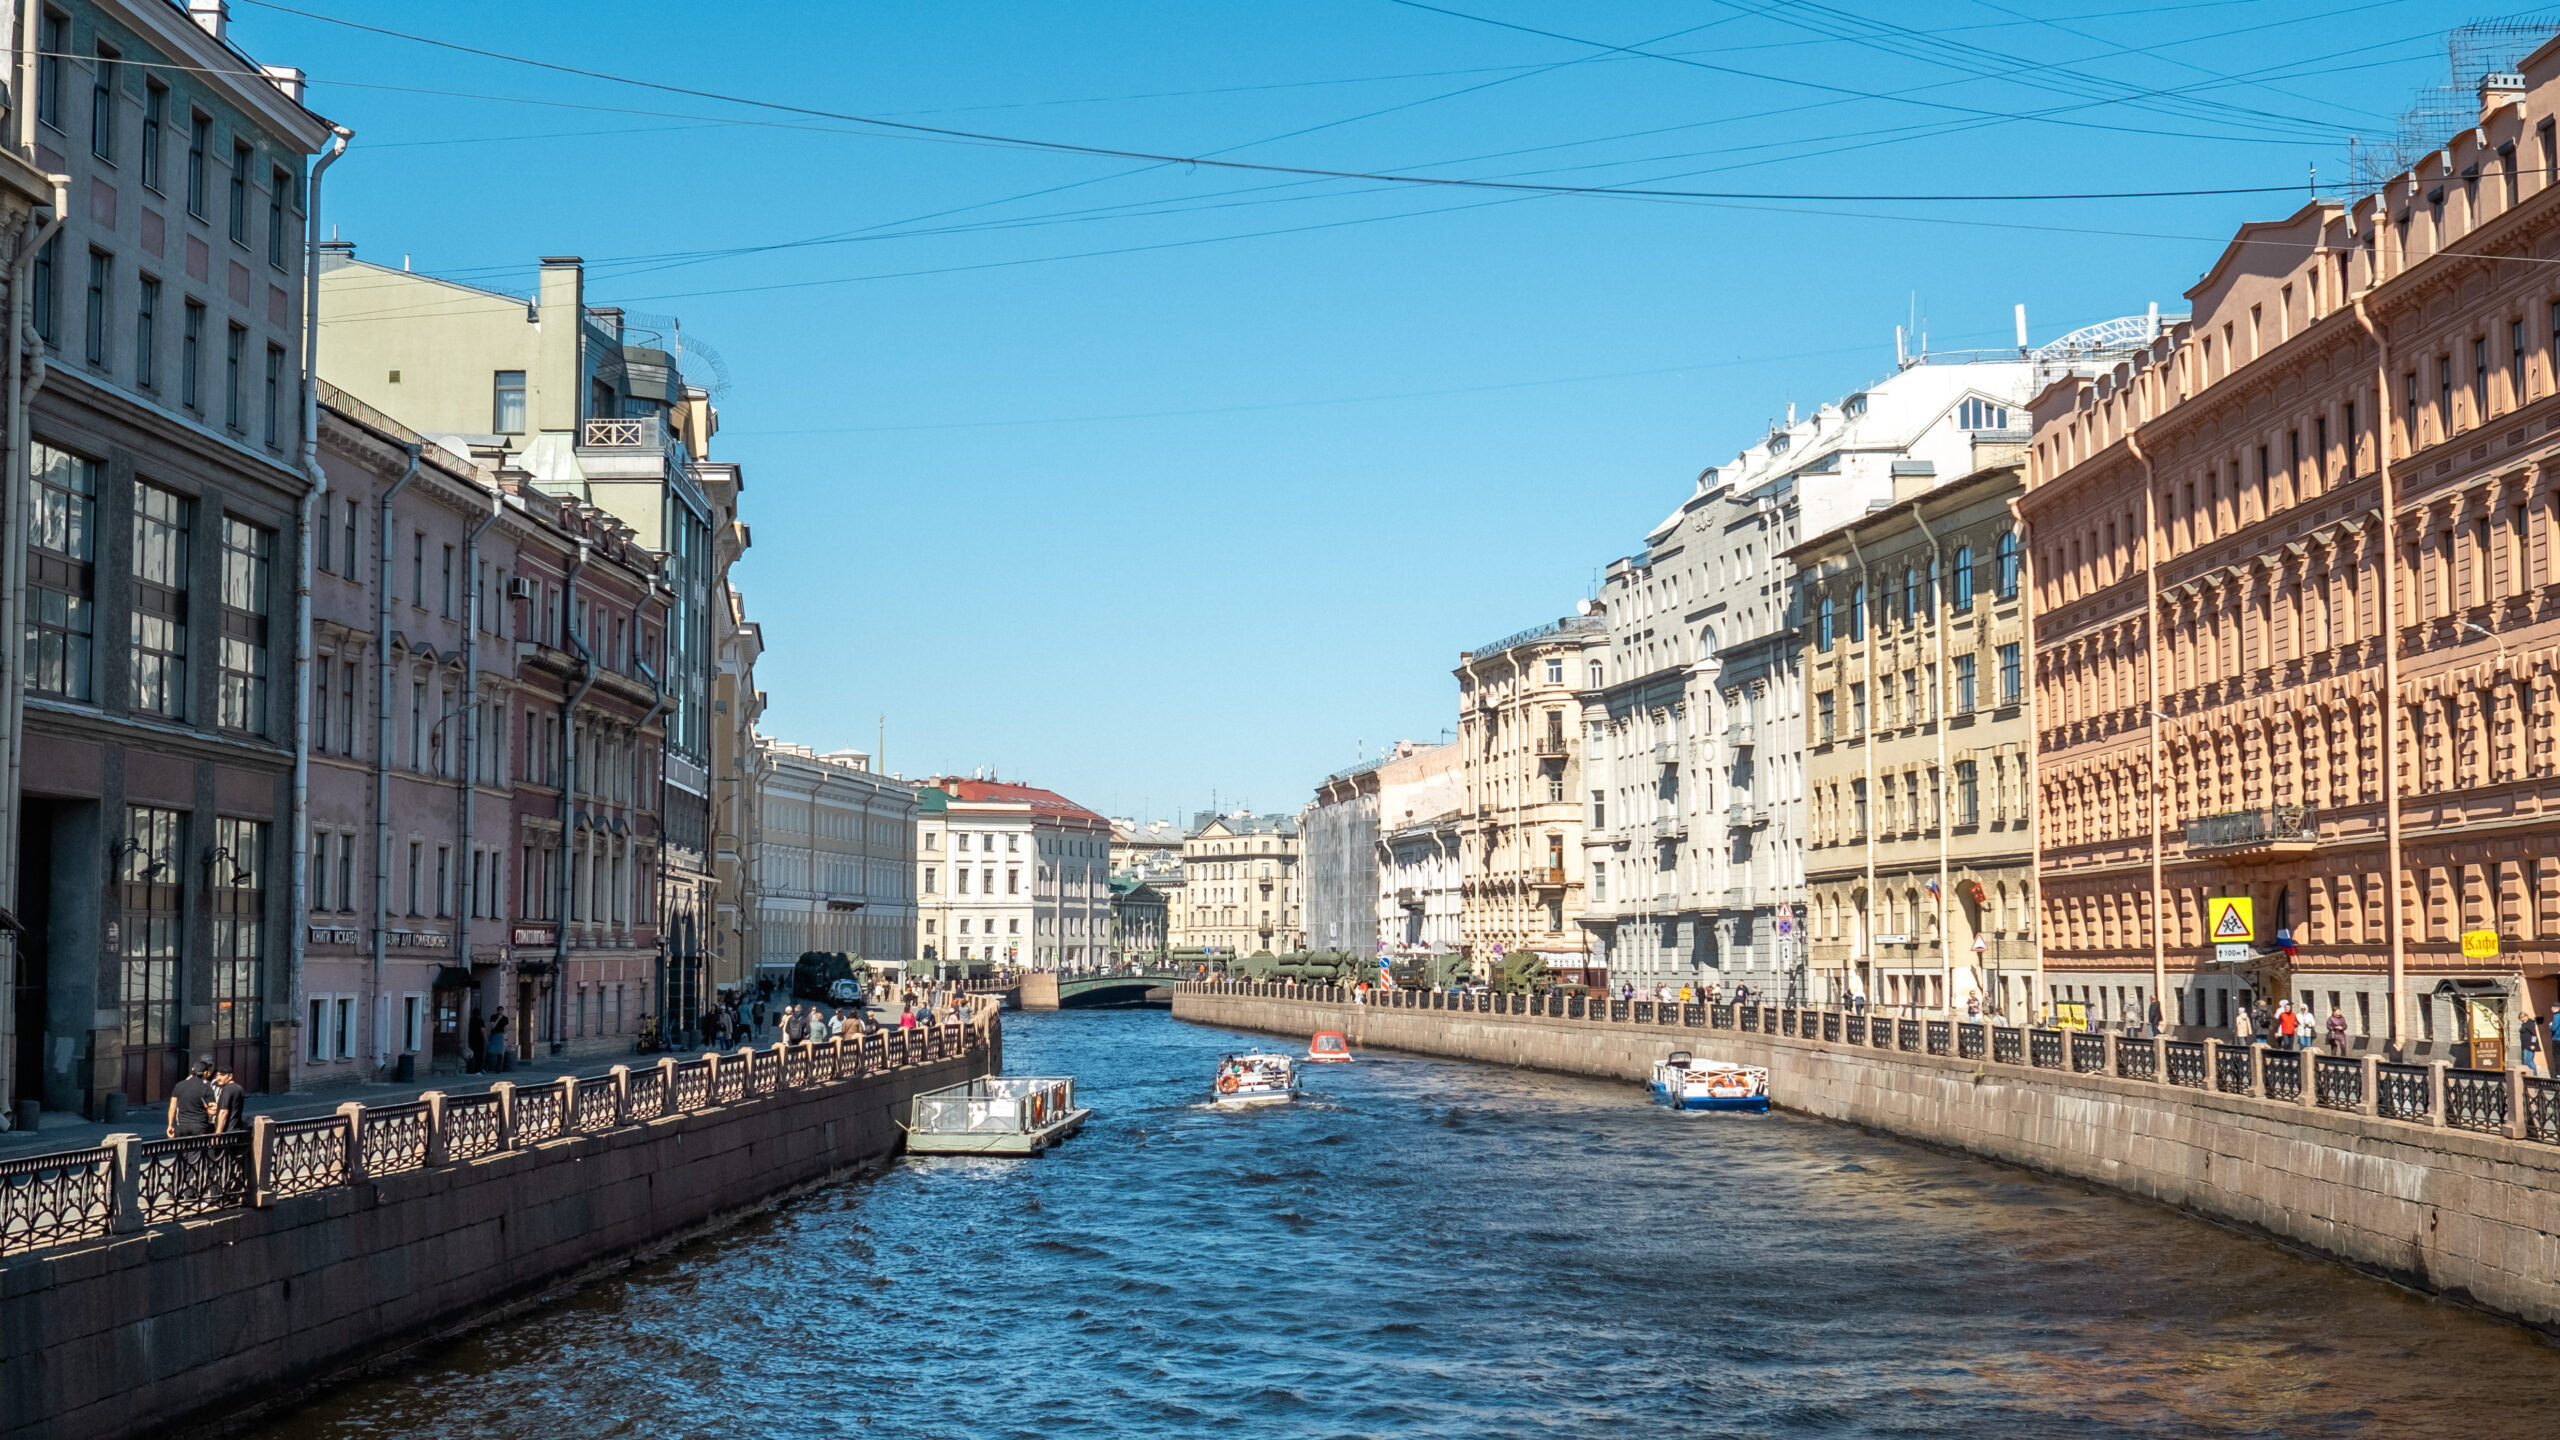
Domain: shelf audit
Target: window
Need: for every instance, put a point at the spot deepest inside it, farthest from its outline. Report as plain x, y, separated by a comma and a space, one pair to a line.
161, 520
275, 395
239, 885
53, 39
418, 569
448, 582
509, 405
146, 333
1858, 807
102, 106
417, 858
1858, 614
444, 880
1858, 706
278, 183
1968, 795
1964, 577
155, 119
94, 311
352, 548
44, 284
2515, 363
2444, 396
1977, 413
239, 192
1964, 684
234, 346
151, 874
191, 359
199, 134
1822, 625
1555, 672
61, 579
2010, 678
1823, 718
248, 557
1599, 810
2009, 566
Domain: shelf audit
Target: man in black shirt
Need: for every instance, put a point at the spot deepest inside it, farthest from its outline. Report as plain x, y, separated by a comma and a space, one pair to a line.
228, 1099
191, 1104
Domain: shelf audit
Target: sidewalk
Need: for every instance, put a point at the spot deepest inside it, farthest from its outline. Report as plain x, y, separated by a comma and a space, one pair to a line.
65, 1130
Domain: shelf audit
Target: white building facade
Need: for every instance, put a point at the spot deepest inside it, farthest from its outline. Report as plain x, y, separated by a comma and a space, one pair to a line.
836, 866
1010, 875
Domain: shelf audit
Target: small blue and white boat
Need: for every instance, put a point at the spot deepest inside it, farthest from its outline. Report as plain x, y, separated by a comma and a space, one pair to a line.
1686, 1084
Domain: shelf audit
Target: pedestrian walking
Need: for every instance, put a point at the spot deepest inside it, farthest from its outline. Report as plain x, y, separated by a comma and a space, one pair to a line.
2242, 1028
2155, 1017
2531, 1041
499, 1057
191, 1104
2337, 1029
2288, 1027
479, 1046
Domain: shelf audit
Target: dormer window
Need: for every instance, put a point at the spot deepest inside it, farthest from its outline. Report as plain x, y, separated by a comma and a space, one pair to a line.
1779, 443
1854, 406
1976, 413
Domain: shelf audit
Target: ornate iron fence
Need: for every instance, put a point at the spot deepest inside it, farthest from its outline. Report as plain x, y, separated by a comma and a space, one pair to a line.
2542, 1108
2185, 1059
307, 1155
1720, 1016
1854, 1027
2402, 1092
596, 1105
1830, 1024
50, 1199
1750, 1017
646, 1095
2088, 1053
539, 1113
1941, 1037
2336, 1084
1882, 1031
2231, 1069
2476, 1100
2044, 1049
2008, 1045
2281, 1072
2134, 1060
394, 1137
1972, 1041
471, 1127
190, 1175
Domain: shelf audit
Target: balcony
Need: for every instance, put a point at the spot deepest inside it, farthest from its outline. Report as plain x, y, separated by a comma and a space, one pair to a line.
1548, 878
1738, 898
1550, 747
637, 432
2283, 832
1666, 755
1408, 899
1737, 816
1737, 736
1670, 827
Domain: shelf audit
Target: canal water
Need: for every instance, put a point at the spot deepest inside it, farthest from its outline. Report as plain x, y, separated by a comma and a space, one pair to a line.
1432, 1248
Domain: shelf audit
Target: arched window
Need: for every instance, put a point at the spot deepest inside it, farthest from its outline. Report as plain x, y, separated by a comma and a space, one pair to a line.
1910, 593
1858, 613
1822, 625
1964, 577
2009, 565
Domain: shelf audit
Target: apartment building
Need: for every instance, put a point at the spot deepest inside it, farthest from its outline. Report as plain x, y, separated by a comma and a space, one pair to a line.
1920, 811
594, 407
2295, 591
1010, 875
151, 851
836, 866
1138, 920
736, 949
1418, 897
1521, 726
1244, 884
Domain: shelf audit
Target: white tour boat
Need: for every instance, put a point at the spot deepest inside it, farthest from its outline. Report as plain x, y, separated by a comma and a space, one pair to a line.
1686, 1084
1259, 1079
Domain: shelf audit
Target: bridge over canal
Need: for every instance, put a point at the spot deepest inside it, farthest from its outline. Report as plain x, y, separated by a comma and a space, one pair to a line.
1049, 990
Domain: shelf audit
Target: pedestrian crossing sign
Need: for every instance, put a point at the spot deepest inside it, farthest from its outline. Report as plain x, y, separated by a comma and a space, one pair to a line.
2230, 919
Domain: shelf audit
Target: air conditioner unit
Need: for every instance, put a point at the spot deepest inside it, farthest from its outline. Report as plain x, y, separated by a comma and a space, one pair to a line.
519, 588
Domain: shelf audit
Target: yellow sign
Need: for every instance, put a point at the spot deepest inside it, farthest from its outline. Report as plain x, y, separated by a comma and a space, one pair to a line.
2480, 944
2228, 918
2071, 1015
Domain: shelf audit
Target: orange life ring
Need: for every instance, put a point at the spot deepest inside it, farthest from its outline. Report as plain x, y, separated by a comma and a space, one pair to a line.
1036, 1109
1226, 1084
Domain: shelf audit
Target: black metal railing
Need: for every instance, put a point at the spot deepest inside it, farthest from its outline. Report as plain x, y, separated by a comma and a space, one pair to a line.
2237, 828
2135, 1059
2088, 1053
394, 1138
2542, 1109
1854, 1028
2476, 1100
2281, 1072
1831, 1025
2008, 1045
1751, 1017
2185, 1062
1972, 1041
2401, 1092
2336, 1084
62, 1196
1941, 1037
2044, 1049
191, 1174
2231, 1069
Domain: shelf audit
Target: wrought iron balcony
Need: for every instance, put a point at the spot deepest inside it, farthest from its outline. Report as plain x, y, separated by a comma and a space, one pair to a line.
1550, 746
2271, 834
1549, 877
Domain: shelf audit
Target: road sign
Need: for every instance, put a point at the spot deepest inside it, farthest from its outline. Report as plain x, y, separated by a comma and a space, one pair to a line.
2240, 954
2480, 944
1786, 926
2228, 919
1979, 945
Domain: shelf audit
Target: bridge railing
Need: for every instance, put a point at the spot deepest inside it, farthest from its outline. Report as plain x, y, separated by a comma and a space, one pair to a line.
60, 1197
2508, 1103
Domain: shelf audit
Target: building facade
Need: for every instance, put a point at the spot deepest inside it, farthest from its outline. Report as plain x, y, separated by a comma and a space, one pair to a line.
1339, 835
152, 731
1138, 920
1920, 813
2295, 588
1520, 736
1011, 875
1244, 885
837, 859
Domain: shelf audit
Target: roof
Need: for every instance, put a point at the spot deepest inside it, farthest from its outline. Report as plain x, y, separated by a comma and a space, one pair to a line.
1045, 804
1244, 824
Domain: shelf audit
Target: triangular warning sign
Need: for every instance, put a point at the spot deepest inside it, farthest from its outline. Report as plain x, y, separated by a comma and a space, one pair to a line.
2232, 925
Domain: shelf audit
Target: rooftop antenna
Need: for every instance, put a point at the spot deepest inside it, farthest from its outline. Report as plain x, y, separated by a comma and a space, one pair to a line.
2022, 332
2153, 319
1901, 349
880, 747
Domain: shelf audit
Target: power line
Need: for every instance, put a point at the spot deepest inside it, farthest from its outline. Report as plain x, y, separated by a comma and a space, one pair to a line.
1320, 172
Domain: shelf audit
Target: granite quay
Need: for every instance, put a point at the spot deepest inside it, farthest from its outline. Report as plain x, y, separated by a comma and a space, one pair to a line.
152, 1283
2444, 1178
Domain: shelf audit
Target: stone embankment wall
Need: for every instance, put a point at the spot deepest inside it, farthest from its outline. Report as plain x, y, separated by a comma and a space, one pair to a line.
189, 1323
2467, 1215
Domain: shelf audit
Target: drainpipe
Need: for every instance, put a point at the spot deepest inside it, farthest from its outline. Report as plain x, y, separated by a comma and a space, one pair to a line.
2392, 912
470, 746
26, 371
1938, 722
2030, 794
1867, 750
658, 881
2151, 704
382, 745
298, 903
568, 799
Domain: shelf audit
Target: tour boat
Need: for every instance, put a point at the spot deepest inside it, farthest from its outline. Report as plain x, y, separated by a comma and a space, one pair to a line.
1686, 1084
995, 1115
1256, 1080
1328, 1048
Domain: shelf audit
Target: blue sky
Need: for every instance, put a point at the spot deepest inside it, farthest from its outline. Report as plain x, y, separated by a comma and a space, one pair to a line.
1147, 481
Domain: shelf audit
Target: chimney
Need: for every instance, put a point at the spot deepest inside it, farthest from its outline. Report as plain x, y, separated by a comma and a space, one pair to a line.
2499, 87
288, 78
211, 16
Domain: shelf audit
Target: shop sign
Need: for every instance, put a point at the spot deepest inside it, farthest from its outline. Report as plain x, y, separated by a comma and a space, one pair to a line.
2480, 944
